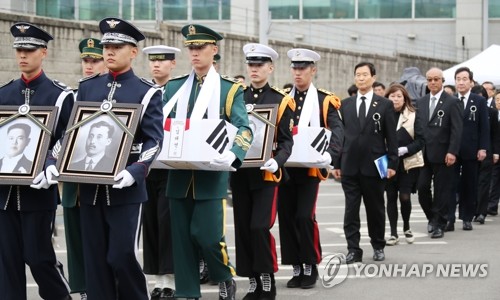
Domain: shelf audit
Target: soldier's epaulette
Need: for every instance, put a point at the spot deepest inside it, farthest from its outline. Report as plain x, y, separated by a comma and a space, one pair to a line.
6, 83
60, 85
149, 82
179, 77
277, 89
287, 90
230, 79
88, 77
326, 92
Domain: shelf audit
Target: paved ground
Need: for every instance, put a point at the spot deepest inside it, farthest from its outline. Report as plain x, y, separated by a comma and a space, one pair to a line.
458, 251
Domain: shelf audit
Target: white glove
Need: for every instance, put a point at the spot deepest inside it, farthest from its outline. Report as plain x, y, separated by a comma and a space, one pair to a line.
326, 160
126, 180
402, 151
224, 160
40, 182
51, 172
271, 166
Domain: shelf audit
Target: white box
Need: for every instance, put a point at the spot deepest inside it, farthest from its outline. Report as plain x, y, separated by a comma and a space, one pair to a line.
309, 144
192, 144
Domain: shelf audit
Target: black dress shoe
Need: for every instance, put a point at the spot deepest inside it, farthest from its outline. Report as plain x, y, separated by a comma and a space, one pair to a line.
310, 277
298, 272
167, 294
254, 289
450, 226
353, 258
430, 227
437, 233
203, 272
378, 255
492, 212
227, 290
467, 225
480, 219
155, 294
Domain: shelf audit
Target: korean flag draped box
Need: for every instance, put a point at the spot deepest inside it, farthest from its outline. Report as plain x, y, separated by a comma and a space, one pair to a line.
192, 144
309, 144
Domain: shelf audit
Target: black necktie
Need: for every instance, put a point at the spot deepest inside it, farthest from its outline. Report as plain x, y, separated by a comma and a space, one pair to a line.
462, 100
362, 112
89, 165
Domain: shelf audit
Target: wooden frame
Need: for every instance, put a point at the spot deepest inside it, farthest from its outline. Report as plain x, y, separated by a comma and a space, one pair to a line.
260, 117
103, 132
26, 133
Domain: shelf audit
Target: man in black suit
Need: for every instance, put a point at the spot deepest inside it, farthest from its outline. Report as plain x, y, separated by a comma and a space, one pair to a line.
441, 117
370, 132
99, 138
486, 167
474, 143
15, 161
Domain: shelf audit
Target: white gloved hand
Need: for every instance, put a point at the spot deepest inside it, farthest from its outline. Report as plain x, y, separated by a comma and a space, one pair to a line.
224, 160
402, 151
51, 172
271, 166
126, 180
40, 182
325, 161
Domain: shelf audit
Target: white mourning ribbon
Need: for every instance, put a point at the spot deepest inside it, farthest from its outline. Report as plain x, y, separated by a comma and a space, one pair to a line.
208, 98
310, 109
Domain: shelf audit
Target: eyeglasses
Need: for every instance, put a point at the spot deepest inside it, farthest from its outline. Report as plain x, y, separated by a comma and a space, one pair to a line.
434, 79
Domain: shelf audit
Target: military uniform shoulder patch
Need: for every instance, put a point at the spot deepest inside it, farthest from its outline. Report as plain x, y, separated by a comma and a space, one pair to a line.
326, 92
281, 91
88, 77
287, 90
230, 79
6, 83
60, 85
149, 82
179, 77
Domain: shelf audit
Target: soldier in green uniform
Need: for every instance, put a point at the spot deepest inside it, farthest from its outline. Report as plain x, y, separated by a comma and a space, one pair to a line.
92, 63
197, 198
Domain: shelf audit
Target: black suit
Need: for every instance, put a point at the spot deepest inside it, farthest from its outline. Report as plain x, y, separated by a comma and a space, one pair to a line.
475, 136
105, 164
23, 165
360, 178
486, 167
442, 136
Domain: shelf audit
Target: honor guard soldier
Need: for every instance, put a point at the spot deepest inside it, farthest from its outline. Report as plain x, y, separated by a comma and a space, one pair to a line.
92, 63
157, 240
255, 190
26, 214
110, 215
299, 232
197, 198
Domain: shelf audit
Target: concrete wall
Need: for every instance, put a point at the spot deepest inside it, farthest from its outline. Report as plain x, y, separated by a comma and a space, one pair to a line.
335, 69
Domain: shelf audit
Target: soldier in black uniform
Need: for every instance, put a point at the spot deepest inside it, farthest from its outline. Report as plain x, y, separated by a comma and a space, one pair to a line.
27, 215
299, 233
157, 240
110, 215
255, 191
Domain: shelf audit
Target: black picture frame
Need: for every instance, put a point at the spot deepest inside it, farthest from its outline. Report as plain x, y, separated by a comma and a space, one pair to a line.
263, 134
88, 134
26, 163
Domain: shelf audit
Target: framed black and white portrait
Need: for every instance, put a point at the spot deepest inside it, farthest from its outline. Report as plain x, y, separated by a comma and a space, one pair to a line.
97, 142
262, 120
25, 134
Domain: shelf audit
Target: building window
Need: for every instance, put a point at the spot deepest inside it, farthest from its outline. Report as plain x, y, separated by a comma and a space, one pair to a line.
494, 8
384, 9
64, 9
284, 9
211, 9
175, 9
332, 9
435, 8
97, 9
142, 10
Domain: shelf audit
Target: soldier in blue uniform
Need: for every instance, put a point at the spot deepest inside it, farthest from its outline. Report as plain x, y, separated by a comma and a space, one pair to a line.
157, 240
197, 198
92, 63
28, 214
299, 232
255, 190
110, 215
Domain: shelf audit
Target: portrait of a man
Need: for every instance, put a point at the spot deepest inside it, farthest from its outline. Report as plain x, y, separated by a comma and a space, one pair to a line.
97, 144
15, 160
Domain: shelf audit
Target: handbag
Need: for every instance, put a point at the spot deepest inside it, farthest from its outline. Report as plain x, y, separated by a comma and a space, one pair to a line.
414, 161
